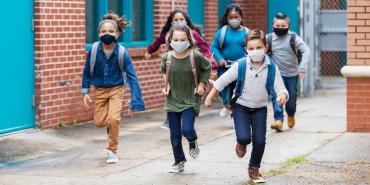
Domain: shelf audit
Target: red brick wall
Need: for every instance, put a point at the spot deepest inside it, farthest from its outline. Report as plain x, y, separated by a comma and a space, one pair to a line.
59, 56
255, 13
358, 89
211, 19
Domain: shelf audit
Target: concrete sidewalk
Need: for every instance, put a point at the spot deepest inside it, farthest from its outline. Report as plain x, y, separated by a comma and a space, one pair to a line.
73, 155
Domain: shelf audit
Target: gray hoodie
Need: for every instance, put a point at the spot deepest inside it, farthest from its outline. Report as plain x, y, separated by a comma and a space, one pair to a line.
284, 56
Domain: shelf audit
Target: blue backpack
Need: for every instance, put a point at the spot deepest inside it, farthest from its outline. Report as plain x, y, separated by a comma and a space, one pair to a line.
242, 65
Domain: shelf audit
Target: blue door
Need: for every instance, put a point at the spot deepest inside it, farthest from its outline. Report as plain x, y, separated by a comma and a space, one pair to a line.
288, 7
17, 81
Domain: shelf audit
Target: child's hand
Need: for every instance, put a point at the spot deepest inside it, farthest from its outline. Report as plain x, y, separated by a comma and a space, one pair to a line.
222, 63
200, 91
87, 101
166, 91
208, 102
147, 56
229, 107
302, 75
132, 112
282, 99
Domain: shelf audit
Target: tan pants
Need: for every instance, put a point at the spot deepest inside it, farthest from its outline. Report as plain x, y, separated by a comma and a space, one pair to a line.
108, 106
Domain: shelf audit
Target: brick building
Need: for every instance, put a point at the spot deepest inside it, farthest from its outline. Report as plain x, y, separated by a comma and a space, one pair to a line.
57, 34
358, 69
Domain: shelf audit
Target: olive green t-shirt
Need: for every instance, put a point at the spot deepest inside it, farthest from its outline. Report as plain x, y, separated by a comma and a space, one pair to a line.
182, 85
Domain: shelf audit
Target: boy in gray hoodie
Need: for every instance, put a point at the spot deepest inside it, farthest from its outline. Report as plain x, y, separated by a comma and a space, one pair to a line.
291, 55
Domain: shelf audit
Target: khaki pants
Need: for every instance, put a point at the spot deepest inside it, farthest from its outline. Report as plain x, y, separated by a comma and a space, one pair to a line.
108, 106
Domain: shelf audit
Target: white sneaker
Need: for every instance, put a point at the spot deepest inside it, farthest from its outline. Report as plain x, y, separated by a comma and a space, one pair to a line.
176, 168
232, 123
111, 157
223, 112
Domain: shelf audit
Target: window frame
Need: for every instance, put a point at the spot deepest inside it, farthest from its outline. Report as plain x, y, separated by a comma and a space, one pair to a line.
127, 34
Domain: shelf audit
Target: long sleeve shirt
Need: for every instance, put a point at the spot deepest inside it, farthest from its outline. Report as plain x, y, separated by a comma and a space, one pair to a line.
233, 46
284, 56
254, 93
107, 73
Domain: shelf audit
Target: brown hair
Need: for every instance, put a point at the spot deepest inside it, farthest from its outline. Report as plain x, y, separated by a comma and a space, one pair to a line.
121, 22
255, 34
183, 28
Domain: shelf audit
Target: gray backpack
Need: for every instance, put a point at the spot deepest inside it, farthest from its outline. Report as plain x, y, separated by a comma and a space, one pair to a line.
121, 51
223, 34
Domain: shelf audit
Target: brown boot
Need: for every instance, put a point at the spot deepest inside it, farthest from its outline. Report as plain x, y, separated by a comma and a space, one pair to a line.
277, 125
291, 121
240, 150
255, 175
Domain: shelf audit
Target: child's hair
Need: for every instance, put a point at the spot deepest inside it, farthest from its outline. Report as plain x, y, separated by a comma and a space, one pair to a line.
119, 22
168, 24
183, 28
230, 8
255, 34
281, 16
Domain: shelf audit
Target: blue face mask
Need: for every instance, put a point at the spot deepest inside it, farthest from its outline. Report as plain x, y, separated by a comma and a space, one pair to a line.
108, 38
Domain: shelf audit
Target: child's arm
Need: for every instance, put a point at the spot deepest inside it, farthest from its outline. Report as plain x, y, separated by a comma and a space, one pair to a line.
215, 47
211, 94
86, 79
305, 50
205, 73
136, 102
279, 87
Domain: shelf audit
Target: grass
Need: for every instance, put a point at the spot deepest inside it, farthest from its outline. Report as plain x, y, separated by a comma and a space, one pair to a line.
287, 164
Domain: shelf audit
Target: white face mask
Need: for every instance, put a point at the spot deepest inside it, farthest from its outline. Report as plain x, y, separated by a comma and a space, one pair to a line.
181, 23
180, 46
256, 55
234, 23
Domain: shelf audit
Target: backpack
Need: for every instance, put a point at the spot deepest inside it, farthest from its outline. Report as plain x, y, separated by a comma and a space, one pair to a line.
242, 65
223, 34
121, 51
168, 67
293, 37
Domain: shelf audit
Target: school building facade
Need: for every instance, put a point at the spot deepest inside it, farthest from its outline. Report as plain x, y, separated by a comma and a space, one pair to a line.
51, 37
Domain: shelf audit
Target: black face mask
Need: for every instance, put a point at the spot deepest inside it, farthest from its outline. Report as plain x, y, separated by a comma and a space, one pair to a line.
108, 39
281, 31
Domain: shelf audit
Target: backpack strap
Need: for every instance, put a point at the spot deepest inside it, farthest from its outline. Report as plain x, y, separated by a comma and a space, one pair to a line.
245, 29
168, 68
242, 63
94, 50
194, 68
270, 82
222, 36
269, 44
121, 53
293, 37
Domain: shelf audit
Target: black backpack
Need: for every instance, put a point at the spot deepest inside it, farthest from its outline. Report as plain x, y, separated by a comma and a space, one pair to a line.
293, 37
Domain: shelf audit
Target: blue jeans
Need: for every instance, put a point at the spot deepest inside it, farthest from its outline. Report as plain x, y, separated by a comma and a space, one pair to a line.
228, 91
250, 126
291, 84
181, 124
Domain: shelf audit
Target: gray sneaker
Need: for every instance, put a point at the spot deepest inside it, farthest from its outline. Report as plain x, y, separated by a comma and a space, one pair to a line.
177, 167
165, 125
111, 157
194, 149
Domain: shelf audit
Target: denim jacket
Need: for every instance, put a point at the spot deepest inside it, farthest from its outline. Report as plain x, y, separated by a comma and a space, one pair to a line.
107, 73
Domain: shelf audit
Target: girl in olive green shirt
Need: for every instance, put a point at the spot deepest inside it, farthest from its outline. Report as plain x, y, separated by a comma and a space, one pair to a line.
186, 73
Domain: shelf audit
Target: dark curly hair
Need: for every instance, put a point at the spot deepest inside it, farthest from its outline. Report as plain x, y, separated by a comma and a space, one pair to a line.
121, 22
183, 28
230, 8
166, 28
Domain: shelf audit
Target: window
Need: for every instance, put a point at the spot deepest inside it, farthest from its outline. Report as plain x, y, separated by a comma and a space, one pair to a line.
196, 13
139, 14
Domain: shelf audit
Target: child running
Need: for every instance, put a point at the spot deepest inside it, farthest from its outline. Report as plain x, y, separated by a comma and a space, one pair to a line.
228, 46
291, 55
186, 73
180, 17
256, 77
107, 67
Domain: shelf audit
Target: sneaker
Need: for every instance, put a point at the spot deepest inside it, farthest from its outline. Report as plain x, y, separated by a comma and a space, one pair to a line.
277, 125
111, 157
232, 123
255, 175
193, 149
106, 153
291, 121
223, 112
240, 150
165, 125
177, 167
